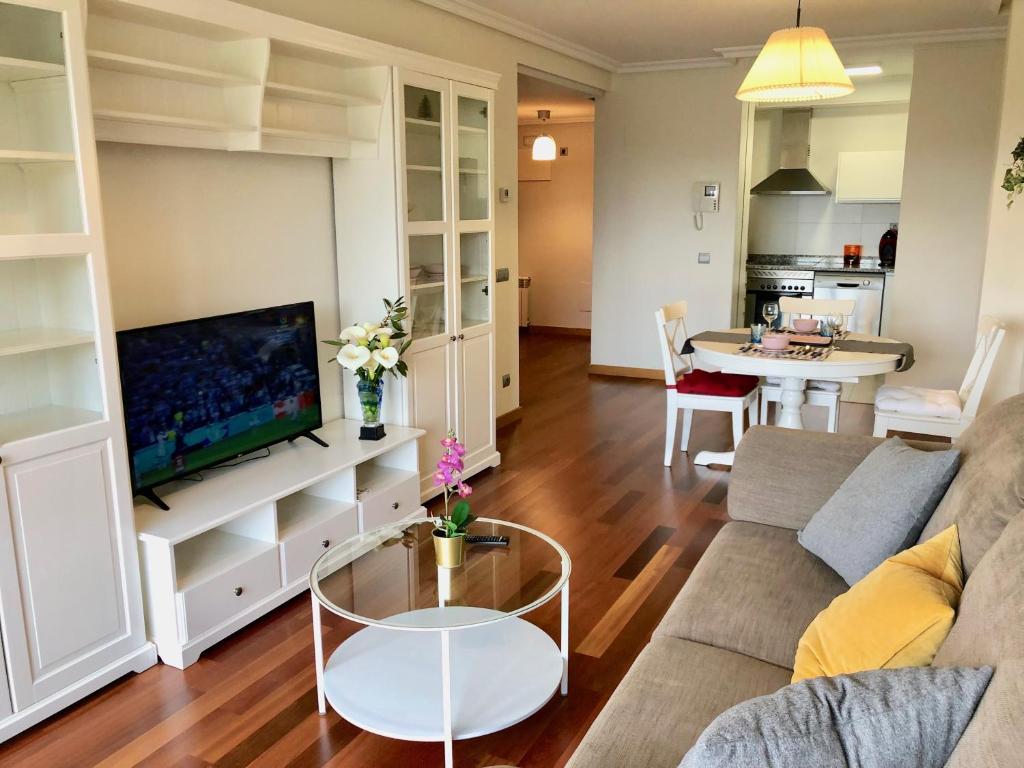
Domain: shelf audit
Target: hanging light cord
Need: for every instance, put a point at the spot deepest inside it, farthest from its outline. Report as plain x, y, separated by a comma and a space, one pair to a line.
799, 10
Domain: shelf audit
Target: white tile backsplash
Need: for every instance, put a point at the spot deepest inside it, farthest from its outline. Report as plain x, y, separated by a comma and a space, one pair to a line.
816, 226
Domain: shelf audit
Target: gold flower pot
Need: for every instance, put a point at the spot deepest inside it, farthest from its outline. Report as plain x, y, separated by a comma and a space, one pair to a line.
449, 552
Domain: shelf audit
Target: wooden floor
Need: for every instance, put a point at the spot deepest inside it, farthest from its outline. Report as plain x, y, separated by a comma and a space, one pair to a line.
583, 465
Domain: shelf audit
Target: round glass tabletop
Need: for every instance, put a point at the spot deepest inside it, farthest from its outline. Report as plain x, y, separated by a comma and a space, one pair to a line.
389, 577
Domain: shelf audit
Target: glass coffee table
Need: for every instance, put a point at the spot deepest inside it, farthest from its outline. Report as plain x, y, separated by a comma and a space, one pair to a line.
445, 654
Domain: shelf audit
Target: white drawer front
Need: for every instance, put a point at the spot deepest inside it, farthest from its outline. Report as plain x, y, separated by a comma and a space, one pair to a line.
388, 505
213, 602
299, 552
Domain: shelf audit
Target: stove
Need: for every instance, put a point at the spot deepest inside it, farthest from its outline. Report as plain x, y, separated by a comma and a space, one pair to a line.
769, 284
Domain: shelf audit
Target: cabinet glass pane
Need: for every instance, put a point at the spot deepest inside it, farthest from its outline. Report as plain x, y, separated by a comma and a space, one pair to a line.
474, 185
49, 378
38, 183
428, 298
475, 255
424, 154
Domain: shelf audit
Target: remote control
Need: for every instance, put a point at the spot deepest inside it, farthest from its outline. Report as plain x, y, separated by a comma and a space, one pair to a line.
490, 541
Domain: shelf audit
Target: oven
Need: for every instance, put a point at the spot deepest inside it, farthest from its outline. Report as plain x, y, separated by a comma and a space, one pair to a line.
766, 285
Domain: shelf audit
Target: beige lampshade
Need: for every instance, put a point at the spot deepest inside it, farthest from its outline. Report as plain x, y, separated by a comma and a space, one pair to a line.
797, 64
544, 148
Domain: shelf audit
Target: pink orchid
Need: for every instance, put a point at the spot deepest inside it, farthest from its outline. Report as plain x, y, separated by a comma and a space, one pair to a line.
464, 490
454, 462
459, 449
449, 441
439, 478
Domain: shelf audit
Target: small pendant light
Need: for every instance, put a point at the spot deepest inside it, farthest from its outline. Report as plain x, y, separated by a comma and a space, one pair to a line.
544, 147
796, 64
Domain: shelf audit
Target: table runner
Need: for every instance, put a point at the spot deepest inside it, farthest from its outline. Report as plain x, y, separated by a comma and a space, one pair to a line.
904, 350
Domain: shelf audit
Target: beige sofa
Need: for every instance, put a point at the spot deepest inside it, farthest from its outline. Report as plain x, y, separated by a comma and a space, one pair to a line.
732, 632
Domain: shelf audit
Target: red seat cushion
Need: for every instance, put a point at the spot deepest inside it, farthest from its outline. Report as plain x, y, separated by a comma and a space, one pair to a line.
717, 384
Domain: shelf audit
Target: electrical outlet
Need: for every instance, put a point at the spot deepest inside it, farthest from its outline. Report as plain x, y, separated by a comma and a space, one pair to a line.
501, 275
506, 380
703, 258
563, 151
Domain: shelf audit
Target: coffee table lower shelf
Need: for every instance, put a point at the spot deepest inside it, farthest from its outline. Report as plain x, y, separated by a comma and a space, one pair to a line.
389, 681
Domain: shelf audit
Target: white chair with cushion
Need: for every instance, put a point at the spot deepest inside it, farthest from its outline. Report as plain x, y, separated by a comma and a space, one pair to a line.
691, 389
822, 393
941, 412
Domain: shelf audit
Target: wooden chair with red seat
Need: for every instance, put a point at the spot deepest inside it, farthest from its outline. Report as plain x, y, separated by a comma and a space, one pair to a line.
691, 389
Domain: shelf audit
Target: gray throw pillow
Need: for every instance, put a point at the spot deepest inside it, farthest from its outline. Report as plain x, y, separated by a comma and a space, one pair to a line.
880, 509
886, 718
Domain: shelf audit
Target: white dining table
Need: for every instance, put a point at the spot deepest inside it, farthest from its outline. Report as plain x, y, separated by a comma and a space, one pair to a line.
839, 366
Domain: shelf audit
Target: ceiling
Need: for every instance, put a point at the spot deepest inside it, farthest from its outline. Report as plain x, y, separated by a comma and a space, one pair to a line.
566, 104
638, 31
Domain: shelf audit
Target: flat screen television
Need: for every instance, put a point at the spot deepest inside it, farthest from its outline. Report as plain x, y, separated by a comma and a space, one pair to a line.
201, 392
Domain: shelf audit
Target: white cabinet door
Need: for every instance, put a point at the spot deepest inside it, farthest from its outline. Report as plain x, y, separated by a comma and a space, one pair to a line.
870, 177
65, 576
433, 408
476, 397
5, 688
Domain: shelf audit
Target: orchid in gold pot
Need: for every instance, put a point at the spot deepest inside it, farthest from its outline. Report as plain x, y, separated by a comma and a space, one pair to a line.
450, 528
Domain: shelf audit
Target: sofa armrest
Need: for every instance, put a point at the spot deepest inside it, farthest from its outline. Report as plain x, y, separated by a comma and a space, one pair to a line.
781, 477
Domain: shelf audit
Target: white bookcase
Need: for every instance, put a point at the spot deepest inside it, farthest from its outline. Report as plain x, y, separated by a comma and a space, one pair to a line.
242, 541
70, 598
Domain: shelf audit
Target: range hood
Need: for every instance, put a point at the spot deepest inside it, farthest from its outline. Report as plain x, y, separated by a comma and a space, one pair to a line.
793, 178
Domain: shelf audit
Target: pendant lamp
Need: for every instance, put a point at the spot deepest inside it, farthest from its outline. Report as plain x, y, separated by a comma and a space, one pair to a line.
544, 147
796, 64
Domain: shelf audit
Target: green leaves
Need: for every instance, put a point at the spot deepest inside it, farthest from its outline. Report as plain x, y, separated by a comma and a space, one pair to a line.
461, 516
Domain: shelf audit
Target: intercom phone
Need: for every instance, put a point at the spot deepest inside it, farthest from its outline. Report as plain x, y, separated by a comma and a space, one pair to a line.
706, 199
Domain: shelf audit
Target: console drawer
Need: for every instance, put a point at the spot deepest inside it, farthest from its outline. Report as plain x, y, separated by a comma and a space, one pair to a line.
387, 496
219, 598
300, 550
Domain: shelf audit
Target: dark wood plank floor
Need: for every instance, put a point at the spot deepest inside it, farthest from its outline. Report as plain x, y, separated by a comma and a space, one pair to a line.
584, 465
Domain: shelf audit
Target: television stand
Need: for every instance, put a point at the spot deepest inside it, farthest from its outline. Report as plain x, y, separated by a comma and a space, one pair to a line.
150, 494
311, 436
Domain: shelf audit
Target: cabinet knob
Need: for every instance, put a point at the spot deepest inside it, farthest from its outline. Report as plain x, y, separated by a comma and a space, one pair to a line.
238, 591
485, 291
462, 337
452, 338
326, 543
395, 505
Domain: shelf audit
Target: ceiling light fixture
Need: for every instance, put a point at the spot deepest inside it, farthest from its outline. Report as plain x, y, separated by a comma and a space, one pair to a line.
870, 69
544, 147
796, 64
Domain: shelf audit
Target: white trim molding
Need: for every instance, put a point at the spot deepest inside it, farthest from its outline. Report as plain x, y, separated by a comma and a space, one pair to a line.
725, 56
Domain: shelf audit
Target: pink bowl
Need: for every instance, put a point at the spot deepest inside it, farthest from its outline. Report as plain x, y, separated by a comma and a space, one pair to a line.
805, 324
775, 341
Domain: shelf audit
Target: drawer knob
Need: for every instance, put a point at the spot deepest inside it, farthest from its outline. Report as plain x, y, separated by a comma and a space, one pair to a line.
326, 543
238, 591
395, 505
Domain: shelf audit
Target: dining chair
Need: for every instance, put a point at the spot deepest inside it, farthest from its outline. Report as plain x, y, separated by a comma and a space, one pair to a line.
826, 394
941, 412
691, 389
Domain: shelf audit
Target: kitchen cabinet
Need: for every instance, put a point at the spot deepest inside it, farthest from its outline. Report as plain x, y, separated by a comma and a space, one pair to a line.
870, 177
70, 594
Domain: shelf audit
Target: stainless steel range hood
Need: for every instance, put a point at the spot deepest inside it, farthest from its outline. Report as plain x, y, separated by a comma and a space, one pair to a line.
793, 178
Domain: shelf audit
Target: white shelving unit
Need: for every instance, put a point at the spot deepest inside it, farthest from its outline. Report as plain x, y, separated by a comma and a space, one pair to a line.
243, 541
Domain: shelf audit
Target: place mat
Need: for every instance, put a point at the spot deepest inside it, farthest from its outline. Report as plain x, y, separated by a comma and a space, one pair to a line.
904, 350
790, 353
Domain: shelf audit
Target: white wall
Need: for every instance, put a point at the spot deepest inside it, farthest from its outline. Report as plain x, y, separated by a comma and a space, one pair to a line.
556, 224
656, 134
192, 233
818, 226
947, 188
1003, 286
420, 27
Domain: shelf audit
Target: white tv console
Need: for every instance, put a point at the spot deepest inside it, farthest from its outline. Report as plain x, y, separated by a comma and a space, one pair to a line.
242, 541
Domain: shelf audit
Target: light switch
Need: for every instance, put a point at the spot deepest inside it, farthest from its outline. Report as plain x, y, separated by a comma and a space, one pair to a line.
703, 258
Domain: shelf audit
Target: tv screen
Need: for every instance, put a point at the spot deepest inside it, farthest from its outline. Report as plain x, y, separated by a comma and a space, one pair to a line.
200, 392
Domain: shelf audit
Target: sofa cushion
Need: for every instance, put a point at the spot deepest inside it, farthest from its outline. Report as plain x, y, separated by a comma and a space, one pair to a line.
989, 488
754, 591
880, 509
883, 719
671, 693
992, 739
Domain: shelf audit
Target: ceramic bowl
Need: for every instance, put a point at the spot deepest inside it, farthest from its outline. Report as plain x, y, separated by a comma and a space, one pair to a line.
434, 269
775, 341
805, 324
415, 271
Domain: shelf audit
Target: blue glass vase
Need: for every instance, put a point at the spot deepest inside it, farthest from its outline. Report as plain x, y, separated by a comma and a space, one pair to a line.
371, 393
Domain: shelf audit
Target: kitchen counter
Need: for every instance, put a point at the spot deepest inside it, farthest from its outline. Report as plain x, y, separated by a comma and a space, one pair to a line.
816, 263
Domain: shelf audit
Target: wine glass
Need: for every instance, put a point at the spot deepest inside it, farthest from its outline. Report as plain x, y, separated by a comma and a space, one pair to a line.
837, 322
771, 313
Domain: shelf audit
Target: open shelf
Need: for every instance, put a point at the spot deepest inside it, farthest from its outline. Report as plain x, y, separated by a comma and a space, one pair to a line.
169, 121
425, 286
472, 129
474, 278
15, 70
43, 420
473, 171
23, 340
134, 65
318, 95
29, 156
304, 135
301, 511
424, 168
199, 559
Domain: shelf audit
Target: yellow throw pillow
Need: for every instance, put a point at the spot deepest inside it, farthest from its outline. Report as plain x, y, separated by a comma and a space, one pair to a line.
896, 616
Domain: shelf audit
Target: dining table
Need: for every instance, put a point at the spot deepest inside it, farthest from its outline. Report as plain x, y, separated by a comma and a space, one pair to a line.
846, 360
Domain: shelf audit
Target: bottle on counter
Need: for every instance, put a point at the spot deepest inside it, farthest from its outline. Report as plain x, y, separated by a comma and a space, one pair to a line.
887, 246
